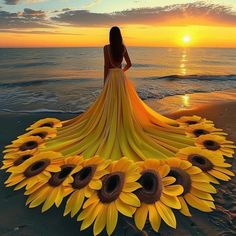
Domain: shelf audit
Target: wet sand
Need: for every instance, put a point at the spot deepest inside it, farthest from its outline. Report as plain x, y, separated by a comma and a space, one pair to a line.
16, 219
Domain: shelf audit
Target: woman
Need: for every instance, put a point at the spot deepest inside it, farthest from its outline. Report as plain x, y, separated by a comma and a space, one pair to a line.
55, 159
114, 53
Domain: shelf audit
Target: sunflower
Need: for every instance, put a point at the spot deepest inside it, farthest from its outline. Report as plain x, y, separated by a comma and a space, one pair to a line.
212, 165
16, 158
35, 170
216, 144
192, 120
157, 195
114, 196
42, 132
86, 180
46, 122
24, 144
197, 189
57, 187
197, 130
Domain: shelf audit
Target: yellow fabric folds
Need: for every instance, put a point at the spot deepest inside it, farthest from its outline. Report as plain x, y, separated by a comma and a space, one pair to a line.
119, 124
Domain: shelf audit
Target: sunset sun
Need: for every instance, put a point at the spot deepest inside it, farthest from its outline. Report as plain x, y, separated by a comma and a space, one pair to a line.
186, 39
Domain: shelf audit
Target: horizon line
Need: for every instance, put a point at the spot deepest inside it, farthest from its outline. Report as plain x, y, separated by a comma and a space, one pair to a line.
222, 47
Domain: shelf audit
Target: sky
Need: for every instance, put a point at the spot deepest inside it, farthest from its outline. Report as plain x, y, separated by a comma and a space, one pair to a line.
160, 23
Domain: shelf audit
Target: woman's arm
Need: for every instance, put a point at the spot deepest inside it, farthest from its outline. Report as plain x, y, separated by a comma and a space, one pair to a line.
106, 64
128, 61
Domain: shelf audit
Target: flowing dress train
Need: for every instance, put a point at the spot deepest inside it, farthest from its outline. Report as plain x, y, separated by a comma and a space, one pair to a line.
120, 124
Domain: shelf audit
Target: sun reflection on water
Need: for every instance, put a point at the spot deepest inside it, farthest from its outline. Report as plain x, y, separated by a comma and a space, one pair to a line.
185, 100
183, 61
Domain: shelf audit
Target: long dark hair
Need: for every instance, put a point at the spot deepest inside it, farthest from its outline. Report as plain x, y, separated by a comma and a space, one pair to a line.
116, 44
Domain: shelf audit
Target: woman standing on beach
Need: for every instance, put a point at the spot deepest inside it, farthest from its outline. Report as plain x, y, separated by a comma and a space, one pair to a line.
115, 52
120, 157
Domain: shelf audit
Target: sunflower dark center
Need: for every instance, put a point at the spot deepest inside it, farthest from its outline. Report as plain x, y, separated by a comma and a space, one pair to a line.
182, 178
41, 134
191, 122
59, 177
36, 168
83, 177
47, 124
21, 159
200, 161
198, 132
28, 145
112, 185
211, 145
151, 187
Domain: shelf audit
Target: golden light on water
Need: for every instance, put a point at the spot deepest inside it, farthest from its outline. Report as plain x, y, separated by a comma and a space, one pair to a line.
183, 63
185, 100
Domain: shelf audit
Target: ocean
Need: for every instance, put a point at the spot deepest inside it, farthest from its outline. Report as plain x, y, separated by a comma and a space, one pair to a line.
68, 80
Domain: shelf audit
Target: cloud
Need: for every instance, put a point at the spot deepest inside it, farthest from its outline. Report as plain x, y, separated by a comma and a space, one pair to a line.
27, 19
35, 32
14, 2
29, 13
66, 9
11, 2
198, 13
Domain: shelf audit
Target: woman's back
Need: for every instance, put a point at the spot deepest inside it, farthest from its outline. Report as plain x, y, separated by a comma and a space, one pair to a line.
111, 63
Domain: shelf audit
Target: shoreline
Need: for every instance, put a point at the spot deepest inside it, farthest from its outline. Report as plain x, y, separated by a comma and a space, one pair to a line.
190, 102
20, 220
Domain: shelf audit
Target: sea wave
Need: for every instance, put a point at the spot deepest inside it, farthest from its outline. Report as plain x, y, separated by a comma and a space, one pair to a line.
194, 77
25, 65
43, 81
136, 65
43, 111
80, 80
74, 95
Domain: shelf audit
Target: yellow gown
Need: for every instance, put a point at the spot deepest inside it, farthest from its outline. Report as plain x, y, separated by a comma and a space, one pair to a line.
120, 157
120, 124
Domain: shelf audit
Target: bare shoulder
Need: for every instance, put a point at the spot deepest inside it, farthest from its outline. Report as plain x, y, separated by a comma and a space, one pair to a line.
106, 46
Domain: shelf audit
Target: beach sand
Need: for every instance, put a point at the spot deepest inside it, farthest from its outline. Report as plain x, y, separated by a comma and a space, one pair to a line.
16, 219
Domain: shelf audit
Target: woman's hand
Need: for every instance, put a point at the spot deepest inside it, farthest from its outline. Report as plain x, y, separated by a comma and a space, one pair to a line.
127, 66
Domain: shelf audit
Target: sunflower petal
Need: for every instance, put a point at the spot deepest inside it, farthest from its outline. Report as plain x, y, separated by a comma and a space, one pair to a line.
184, 207
206, 187
95, 184
225, 171
212, 179
154, 217
77, 204
168, 180
90, 219
112, 217
170, 201
130, 199
140, 216
164, 170
219, 175
196, 203
166, 214
173, 190
200, 194
124, 208
50, 199
100, 221
40, 198
194, 170
130, 187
